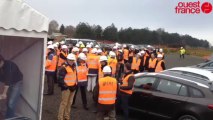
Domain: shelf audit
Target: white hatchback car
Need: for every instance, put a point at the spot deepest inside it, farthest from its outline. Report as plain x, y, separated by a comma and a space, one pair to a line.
193, 72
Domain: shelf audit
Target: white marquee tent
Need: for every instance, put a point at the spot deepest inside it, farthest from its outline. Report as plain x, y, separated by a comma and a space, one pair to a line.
23, 36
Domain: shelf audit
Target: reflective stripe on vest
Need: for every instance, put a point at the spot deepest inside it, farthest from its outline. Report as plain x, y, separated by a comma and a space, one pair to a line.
92, 61
158, 67
152, 63
70, 78
125, 83
107, 90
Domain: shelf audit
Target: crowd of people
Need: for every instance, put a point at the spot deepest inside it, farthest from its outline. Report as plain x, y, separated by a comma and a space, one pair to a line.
106, 72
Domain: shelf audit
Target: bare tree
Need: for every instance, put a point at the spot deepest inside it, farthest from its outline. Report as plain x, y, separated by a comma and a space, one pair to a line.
53, 27
69, 31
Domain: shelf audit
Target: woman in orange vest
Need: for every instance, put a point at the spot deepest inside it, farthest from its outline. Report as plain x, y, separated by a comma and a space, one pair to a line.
82, 71
103, 63
152, 63
160, 65
120, 66
126, 53
144, 61
68, 83
126, 90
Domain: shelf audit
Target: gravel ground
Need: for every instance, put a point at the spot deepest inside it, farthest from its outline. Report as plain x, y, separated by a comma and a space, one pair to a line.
51, 103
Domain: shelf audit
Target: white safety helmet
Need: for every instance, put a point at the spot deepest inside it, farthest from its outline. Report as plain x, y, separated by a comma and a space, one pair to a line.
132, 46
112, 54
142, 52
99, 51
62, 42
115, 47
75, 49
139, 54
88, 46
82, 56
55, 45
148, 46
80, 42
97, 46
120, 50
107, 69
71, 57
50, 47
181, 47
49, 42
94, 50
159, 56
160, 50
64, 47
124, 45
77, 45
103, 58
84, 50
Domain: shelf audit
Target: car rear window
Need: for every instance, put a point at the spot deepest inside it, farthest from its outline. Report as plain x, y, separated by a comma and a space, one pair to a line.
196, 93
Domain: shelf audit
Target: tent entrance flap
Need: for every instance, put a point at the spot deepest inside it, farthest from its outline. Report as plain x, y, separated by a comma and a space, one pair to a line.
28, 54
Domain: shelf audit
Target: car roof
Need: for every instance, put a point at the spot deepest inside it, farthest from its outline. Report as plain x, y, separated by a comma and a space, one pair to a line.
175, 78
199, 71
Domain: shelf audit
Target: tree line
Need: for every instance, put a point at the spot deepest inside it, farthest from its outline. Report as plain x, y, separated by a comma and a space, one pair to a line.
127, 35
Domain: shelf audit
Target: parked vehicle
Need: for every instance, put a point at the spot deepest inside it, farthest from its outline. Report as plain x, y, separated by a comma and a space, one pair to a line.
74, 41
167, 96
193, 72
207, 65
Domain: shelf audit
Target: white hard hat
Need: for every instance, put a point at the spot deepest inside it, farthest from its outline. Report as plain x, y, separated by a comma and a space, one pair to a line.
62, 42
91, 43
181, 47
132, 46
148, 46
80, 42
64, 47
88, 46
139, 54
71, 57
75, 49
112, 54
85, 50
77, 45
96, 46
107, 69
115, 47
50, 47
49, 42
99, 51
55, 45
160, 50
94, 50
160, 56
124, 45
120, 50
142, 52
82, 56
87, 43
103, 58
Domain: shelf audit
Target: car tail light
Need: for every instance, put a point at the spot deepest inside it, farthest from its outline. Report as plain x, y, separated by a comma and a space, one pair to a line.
210, 107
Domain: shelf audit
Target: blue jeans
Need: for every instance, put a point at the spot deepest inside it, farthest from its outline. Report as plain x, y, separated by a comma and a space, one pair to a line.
13, 95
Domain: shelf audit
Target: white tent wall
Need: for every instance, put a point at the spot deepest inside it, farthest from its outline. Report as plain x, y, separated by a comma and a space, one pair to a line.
27, 51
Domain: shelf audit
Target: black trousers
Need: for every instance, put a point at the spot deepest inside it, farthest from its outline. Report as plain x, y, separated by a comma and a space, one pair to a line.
50, 82
83, 95
151, 70
182, 56
122, 104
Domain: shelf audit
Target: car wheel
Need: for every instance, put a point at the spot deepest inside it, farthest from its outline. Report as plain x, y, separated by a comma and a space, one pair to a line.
187, 117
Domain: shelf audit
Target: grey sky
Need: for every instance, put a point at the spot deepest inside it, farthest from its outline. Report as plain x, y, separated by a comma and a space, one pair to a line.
128, 13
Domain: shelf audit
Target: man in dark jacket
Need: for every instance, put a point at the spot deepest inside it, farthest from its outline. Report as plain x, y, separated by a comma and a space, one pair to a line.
12, 78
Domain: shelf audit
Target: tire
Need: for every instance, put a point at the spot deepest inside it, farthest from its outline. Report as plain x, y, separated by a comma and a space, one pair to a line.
187, 117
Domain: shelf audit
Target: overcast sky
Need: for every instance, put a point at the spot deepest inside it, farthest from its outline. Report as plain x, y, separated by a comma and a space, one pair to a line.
128, 13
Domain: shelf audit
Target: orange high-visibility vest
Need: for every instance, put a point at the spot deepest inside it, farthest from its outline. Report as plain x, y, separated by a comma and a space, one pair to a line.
126, 54
60, 60
131, 54
113, 64
82, 73
135, 63
125, 83
100, 72
92, 61
158, 66
152, 63
51, 64
70, 78
107, 90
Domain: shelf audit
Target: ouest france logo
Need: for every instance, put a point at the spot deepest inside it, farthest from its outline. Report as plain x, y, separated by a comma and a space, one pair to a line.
193, 7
